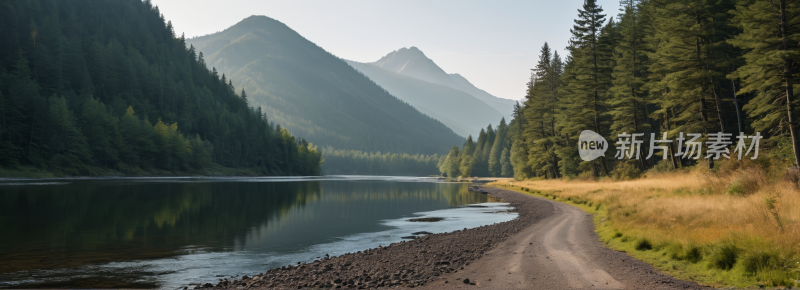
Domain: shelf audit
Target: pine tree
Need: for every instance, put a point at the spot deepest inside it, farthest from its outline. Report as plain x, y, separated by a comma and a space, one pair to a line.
467, 163
505, 164
519, 149
584, 79
451, 165
498, 145
771, 38
691, 59
628, 99
469, 146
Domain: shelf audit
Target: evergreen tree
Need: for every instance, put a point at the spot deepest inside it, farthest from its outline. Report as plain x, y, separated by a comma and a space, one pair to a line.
469, 146
519, 149
498, 145
771, 40
691, 57
584, 78
451, 165
505, 164
628, 98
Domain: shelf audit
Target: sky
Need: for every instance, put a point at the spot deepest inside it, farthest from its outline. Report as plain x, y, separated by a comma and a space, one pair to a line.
493, 44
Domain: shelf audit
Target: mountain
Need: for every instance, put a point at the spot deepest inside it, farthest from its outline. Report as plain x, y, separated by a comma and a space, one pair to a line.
457, 109
316, 94
412, 62
107, 88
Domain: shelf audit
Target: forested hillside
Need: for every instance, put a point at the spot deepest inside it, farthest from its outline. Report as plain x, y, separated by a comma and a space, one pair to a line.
318, 95
90, 87
658, 67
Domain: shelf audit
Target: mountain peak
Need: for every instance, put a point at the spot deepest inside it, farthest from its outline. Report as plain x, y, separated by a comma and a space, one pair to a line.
257, 22
404, 54
412, 62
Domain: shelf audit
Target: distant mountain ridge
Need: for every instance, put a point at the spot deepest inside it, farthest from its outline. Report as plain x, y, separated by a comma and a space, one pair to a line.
413, 62
458, 110
317, 95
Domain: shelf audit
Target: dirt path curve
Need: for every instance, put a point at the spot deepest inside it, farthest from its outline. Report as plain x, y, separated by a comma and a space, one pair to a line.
561, 251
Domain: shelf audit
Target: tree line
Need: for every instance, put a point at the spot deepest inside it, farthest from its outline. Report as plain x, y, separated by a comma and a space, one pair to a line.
88, 86
355, 162
699, 66
490, 156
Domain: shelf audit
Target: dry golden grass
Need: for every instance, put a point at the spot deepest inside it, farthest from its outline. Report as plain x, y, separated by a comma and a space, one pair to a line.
753, 206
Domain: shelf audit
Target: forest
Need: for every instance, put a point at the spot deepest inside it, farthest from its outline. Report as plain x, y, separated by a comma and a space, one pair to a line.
658, 67
354, 162
107, 87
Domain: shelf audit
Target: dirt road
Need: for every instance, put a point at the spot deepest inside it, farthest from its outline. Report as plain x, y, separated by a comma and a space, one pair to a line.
560, 251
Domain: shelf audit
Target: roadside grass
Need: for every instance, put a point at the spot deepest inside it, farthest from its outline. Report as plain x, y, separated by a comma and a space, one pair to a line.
737, 226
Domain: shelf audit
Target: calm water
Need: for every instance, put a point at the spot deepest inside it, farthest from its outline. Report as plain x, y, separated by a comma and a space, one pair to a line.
175, 232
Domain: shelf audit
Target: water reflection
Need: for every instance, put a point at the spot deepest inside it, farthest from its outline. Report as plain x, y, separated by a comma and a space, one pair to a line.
77, 223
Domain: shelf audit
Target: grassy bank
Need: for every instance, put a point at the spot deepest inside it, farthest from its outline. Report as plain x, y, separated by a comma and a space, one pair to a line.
737, 226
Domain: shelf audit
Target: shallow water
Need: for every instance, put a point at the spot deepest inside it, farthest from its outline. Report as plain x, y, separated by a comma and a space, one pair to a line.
175, 232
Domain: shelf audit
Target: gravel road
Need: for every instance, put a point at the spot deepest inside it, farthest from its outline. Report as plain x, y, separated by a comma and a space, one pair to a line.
550, 246
561, 251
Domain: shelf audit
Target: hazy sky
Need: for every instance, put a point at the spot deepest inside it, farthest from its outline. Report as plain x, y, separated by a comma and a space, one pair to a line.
494, 44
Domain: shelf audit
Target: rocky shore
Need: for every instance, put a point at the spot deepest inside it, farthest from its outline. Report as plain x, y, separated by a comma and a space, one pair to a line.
407, 264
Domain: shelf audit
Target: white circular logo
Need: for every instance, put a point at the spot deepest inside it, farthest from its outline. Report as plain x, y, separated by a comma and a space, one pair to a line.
591, 145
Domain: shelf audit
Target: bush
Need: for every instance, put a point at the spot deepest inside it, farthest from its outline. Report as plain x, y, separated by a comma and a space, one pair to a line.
626, 171
755, 262
617, 235
725, 257
736, 188
693, 254
585, 176
747, 182
643, 245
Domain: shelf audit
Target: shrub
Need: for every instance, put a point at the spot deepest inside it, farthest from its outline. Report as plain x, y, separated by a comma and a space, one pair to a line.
643, 245
585, 176
626, 171
693, 254
725, 257
617, 235
755, 262
748, 181
736, 188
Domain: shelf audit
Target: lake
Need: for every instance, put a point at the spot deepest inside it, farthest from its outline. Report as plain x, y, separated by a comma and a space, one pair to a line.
177, 232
